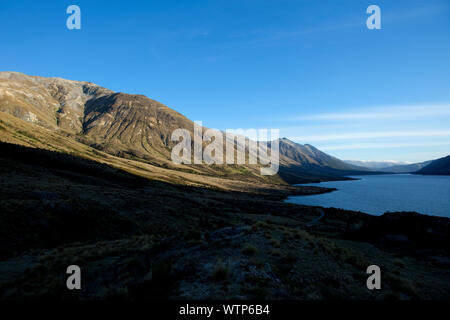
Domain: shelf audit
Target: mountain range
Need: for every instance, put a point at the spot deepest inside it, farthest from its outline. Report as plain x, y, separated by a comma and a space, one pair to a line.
133, 132
406, 168
376, 165
431, 167
390, 166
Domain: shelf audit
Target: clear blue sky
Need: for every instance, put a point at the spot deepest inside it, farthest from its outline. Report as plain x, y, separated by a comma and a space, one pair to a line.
310, 68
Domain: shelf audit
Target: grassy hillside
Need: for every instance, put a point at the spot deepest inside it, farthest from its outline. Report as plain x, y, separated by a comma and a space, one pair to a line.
17, 131
138, 239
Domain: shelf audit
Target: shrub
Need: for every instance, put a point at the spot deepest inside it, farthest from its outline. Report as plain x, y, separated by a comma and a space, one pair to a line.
399, 263
220, 271
275, 243
275, 252
249, 250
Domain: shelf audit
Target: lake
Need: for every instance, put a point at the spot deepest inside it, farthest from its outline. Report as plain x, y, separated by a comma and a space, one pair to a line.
376, 194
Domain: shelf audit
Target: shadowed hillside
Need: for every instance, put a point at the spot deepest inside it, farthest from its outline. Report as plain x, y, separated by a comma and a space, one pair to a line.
50, 198
437, 167
139, 239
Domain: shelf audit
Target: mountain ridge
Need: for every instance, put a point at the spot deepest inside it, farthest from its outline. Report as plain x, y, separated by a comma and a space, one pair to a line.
376, 165
136, 127
439, 166
407, 168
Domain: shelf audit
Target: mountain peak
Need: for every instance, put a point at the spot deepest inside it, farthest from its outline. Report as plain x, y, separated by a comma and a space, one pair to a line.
285, 140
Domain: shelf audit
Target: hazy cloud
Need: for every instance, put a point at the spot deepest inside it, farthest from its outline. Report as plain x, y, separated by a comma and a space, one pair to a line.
372, 135
382, 113
385, 145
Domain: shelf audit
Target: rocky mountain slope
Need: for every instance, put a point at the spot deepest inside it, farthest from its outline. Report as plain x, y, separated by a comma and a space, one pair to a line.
311, 164
131, 127
308, 155
117, 122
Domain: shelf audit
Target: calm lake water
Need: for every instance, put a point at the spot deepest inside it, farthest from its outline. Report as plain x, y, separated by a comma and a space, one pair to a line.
380, 193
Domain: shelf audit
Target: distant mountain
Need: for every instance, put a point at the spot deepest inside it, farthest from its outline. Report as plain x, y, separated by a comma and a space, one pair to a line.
74, 115
376, 165
437, 167
390, 166
306, 154
311, 164
407, 168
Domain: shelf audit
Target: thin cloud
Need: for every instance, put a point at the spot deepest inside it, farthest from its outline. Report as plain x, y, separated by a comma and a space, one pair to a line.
274, 35
372, 135
384, 145
416, 13
382, 113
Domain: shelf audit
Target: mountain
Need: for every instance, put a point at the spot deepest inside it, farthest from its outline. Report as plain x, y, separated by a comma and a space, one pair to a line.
390, 166
56, 113
437, 167
307, 154
311, 164
407, 168
53, 103
376, 165
88, 120
115, 122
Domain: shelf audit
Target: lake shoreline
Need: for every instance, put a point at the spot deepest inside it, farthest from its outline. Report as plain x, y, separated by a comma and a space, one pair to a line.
376, 195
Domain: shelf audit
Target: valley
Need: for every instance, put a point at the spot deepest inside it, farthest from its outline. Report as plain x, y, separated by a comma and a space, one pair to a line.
87, 179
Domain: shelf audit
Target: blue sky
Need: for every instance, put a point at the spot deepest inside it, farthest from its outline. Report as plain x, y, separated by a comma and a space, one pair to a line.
310, 68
